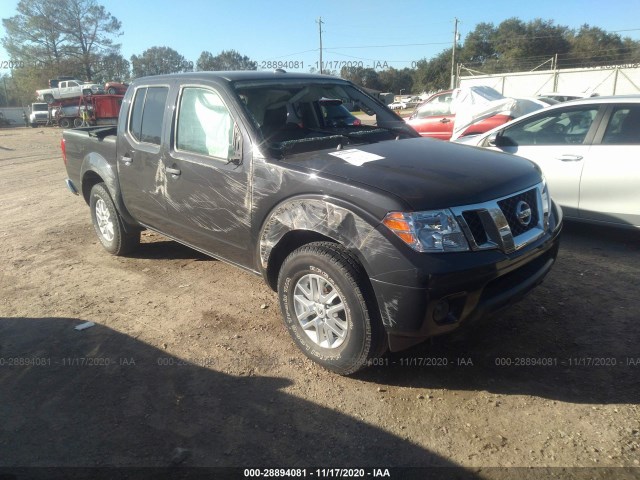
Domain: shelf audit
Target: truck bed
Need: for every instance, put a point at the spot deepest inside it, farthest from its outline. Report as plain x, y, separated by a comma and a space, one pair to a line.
86, 145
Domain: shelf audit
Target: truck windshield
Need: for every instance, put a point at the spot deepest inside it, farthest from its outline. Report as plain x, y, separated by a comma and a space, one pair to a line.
304, 116
39, 107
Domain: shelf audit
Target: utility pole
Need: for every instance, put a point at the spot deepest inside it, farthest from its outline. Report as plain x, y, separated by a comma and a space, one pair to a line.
319, 22
453, 54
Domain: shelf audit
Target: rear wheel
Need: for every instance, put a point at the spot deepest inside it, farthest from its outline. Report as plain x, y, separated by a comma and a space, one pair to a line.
48, 98
109, 225
64, 122
111, 91
77, 122
329, 309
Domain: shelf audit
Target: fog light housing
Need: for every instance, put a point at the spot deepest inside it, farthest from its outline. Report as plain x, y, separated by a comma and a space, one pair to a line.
441, 311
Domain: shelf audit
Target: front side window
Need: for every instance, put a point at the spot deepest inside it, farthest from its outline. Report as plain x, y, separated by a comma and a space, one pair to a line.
562, 127
145, 123
205, 125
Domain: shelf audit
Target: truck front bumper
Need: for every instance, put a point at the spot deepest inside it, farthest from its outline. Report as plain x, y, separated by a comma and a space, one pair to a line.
463, 289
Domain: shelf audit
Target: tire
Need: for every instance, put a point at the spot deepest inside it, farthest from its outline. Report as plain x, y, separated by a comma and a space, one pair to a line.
87, 92
343, 331
111, 91
77, 122
34, 125
108, 224
48, 98
64, 123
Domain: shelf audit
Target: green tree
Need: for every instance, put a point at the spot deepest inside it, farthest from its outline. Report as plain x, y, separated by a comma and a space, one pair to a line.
434, 74
393, 80
592, 46
89, 29
365, 77
225, 60
33, 35
64, 37
158, 61
112, 67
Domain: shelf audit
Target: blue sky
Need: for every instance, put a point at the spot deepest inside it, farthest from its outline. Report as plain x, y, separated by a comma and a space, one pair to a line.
374, 32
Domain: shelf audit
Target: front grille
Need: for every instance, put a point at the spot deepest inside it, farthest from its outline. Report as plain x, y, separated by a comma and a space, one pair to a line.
472, 217
509, 208
495, 224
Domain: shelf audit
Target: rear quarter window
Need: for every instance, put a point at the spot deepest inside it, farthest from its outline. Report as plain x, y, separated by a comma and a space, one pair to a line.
145, 124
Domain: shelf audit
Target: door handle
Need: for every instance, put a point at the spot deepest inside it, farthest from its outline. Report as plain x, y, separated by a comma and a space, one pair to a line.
444, 120
569, 158
172, 171
126, 159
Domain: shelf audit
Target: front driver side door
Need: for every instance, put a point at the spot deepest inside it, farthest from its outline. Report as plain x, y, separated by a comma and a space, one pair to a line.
434, 118
208, 193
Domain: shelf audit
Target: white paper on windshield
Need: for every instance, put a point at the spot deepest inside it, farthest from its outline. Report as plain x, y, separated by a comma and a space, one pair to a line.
356, 157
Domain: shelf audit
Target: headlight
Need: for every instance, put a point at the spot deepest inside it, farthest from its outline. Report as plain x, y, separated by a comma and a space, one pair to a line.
430, 231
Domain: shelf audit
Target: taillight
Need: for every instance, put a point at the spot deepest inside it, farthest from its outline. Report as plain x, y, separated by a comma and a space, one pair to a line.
63, 147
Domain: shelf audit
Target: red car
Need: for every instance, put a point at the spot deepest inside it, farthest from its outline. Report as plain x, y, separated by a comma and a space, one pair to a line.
115, 88
479, 109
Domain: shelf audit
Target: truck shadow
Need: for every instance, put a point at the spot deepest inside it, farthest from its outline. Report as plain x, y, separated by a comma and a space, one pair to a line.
101, 398
574, 338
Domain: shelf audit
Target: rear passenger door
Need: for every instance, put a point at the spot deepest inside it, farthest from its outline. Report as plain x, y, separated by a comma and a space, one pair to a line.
610, 186
208, 194
140, 169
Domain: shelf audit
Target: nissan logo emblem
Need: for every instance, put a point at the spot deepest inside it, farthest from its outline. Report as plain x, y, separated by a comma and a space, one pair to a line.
523, 213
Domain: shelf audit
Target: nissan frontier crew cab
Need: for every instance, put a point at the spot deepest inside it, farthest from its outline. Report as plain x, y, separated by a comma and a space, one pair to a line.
373, 237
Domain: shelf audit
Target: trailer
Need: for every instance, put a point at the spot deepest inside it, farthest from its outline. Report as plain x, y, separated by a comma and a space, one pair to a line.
87, 110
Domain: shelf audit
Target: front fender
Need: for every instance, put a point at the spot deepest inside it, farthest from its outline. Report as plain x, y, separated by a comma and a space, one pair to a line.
381, 259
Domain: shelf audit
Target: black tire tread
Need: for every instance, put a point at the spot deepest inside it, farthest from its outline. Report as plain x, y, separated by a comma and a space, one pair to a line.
356, 275
127, 240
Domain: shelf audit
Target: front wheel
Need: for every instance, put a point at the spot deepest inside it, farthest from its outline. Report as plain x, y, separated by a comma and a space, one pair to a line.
109, 225
111, 91
329, 308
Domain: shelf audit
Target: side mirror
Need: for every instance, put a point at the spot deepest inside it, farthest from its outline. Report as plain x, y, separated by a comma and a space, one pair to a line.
498, 140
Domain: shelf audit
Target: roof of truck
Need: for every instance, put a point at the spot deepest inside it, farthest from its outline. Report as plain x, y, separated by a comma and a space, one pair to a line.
239, 75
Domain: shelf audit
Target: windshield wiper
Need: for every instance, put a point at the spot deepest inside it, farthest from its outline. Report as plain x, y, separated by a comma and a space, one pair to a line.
349, 136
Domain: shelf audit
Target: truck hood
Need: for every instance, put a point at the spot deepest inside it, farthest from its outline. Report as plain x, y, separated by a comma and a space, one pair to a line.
425, 173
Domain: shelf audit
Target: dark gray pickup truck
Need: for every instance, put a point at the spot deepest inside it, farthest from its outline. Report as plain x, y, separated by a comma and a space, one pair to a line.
373, 237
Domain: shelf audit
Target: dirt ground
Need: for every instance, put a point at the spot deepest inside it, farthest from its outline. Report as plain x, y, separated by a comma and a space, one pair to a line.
189, 363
